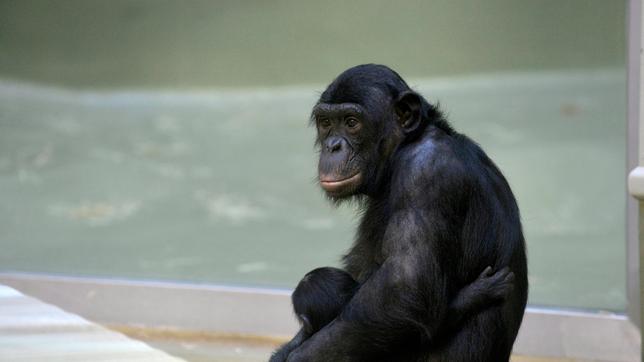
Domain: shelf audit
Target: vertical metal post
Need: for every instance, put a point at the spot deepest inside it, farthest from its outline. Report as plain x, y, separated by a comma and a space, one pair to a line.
633, 257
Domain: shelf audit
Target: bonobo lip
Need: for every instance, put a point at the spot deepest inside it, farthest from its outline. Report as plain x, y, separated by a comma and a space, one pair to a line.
331, 185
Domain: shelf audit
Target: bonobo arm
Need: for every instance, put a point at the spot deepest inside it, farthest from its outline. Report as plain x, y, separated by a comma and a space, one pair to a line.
281, 354
406, 296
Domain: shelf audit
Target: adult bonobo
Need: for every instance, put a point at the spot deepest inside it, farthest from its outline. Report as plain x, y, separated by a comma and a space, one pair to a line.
437, 212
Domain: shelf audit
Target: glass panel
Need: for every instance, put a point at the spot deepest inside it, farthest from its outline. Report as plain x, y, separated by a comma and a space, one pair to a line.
157, 140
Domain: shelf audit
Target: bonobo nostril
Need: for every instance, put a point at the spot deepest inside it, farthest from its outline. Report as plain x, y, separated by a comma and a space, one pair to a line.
333, 144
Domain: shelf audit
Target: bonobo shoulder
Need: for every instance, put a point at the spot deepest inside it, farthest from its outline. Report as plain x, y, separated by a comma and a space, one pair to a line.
432, 155
430, 165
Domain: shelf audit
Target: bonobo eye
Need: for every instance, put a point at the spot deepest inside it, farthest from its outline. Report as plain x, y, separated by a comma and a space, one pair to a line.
352, 123
324, 123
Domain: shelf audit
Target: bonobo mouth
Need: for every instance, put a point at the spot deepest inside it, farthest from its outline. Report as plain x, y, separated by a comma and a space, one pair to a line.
331, 185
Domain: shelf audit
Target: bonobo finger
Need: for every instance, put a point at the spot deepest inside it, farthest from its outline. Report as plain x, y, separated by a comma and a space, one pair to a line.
509, 278
503, 272
486, 272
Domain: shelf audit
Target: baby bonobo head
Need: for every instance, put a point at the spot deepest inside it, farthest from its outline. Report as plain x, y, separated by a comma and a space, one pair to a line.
320, 296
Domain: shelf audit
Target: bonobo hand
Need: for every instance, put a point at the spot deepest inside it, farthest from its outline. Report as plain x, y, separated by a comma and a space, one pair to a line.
300, 355
279, 356
496, 286
282, 353
296, 356
327, 345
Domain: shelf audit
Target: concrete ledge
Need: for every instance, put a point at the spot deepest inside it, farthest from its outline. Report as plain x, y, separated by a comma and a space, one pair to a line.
578, 335
267, 312
35, 331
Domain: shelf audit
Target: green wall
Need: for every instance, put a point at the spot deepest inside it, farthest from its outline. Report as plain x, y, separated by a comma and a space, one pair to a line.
244, 43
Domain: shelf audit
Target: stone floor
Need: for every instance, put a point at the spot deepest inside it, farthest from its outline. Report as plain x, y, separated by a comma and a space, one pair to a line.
250, 350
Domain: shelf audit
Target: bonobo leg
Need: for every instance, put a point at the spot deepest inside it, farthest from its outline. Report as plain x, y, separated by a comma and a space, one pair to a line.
487, 290
477, 314
484, 337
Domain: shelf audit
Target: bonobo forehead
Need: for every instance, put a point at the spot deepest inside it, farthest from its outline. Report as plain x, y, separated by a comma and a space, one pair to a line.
335, 110
360, 101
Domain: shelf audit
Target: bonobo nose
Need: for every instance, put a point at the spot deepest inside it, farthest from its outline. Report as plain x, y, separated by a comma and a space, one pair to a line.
333, 144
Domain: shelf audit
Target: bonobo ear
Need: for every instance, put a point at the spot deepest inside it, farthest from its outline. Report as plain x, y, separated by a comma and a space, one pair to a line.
407, 107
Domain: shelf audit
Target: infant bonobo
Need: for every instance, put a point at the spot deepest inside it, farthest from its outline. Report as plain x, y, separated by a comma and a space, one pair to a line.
320, 296
317, 300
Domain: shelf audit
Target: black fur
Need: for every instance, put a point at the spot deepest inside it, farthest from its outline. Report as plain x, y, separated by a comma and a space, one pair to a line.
320, 297
323, 292
436, 211
317, 300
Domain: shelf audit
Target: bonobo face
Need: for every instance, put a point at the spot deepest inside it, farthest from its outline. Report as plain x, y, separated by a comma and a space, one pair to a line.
361, 119
341, 130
